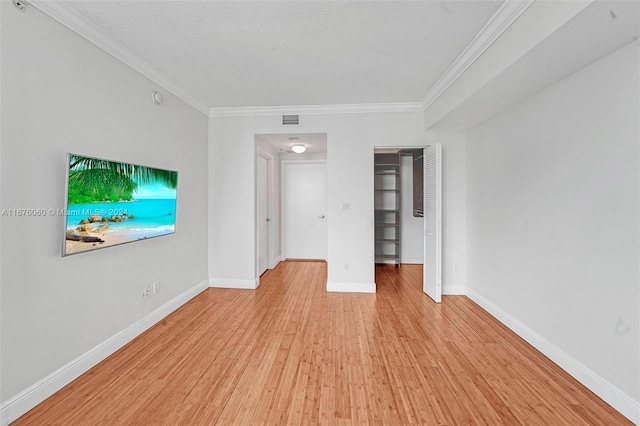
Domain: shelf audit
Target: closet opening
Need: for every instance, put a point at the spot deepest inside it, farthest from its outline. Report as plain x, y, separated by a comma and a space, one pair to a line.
407, 212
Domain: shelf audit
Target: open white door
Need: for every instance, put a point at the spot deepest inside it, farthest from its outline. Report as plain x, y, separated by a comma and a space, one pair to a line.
432, 269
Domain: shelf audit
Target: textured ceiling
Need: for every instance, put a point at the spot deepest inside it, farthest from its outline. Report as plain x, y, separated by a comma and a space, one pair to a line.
263, 53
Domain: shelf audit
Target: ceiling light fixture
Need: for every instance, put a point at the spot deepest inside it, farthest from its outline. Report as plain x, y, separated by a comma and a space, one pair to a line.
299, 148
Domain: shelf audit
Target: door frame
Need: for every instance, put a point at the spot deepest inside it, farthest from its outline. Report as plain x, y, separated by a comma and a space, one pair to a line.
270, 211
283, 200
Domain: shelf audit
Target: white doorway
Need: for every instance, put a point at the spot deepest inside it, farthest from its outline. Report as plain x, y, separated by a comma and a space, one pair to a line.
430, 208
276, 149
304, 196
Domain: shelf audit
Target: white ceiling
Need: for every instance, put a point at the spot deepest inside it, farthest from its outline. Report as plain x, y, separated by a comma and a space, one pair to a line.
599, 29
283, 53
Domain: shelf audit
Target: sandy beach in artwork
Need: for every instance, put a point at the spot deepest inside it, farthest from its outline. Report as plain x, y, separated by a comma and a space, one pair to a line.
108, 240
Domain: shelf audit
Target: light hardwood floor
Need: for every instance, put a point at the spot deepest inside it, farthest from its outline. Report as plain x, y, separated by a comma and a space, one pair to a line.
291, 353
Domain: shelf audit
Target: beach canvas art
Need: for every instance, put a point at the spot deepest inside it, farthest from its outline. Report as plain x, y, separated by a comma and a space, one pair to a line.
110, 203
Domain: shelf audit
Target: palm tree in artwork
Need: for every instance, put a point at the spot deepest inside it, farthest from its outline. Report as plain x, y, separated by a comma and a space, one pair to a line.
79, 166
108, 179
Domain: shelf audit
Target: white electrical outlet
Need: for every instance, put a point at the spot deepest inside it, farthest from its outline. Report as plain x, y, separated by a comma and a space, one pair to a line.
146, 292
156, 287
346, 266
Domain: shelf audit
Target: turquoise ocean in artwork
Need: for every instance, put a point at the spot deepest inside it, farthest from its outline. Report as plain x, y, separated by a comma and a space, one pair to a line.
152, 217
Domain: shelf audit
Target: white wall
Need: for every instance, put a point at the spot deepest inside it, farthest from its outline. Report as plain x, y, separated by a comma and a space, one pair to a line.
61, 94
553, 235
454, 211
351, 139
412, 237
315, 156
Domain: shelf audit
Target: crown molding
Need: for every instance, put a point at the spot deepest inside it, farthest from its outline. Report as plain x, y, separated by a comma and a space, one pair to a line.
506, 15
403, 107
77, 23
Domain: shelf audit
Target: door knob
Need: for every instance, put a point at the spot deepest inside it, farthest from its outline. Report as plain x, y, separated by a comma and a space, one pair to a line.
268, 220
321, 217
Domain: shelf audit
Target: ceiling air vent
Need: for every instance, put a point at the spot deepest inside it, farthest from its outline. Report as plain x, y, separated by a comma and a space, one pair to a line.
290, 120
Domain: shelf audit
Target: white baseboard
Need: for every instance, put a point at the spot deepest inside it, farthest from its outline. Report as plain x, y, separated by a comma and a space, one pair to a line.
622, 402
275, 262
15, 407
351, 287
454, 290
234, 283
